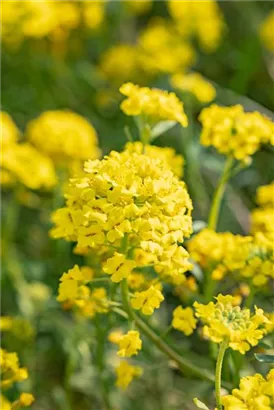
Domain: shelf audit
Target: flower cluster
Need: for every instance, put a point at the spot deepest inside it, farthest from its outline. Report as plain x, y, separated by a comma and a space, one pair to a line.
133, 210
246, 257
266, 32
74, 293
262, 218
202, 20
155, 105
223, 321
154, 45
255, 393
195, 84
234, 132
126, 373
63, 135
174, 162
11, 372
184, 320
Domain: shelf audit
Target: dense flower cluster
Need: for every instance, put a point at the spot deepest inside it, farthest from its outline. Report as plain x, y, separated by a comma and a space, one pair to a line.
184, 320
223, 321
248, 258
234, 132
195, 84
174, 162
74, 292
43, 18
133, 209
11, 372
126, 373
202, 20
154, 45
64, 135
262, 218
255, 393
266, 32
153, 104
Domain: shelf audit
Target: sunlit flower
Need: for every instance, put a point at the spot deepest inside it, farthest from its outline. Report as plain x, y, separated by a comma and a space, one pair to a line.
129, 344
184, 320
94, 13
126, 373
148, 300
9, 131
195, 84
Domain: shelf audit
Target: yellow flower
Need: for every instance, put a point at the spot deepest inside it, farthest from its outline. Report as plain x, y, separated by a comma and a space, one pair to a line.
184, 320
26, 399
28, 166
265, 195
173, 161
148, 300
156, 105
225, 321
136, 280
115, 336
266, 32
200, 19
126, 373
233, 132
64, 135
194, 83
118, 267
129, 344
139, 6
94, 13
5, 404
11, 371
255, 393
9, 131
131, 211
154, 45
262, 218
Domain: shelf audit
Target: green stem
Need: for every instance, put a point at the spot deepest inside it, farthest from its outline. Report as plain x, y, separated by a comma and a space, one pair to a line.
184, 365
218, 373
218, 195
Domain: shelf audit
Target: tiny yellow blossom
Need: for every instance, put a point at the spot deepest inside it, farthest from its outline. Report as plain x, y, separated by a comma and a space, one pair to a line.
93, 13
130, 344
11, 371
26, 399
255, 393
115, 336
184, 320
156, 105
148, 300
265, 195
223, 321
126, 373
9, 131
194, 83
63, 135
173, 161
118, 267
266, 32
234, 132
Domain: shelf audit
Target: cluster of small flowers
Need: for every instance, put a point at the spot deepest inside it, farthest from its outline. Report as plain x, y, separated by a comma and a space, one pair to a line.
11, 372
247, 258
40, 19
255, 392
234, 132
152, 104
21, 162
200, 20
262, 218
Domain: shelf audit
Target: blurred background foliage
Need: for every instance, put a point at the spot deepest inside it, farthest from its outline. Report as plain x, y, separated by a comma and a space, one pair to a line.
44, 74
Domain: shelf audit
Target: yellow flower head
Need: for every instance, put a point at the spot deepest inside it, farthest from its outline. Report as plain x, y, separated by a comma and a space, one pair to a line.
64, 135
132, 203
174, 162
262, 218
9, 131
129, 344
195, 84
200, 19
156, 105
184, 320
224, 320
139, 6
148, 300
11, 371
154, 45
266, 32
233, 132
26, 399
28, 166
265, 195
93, 13
255, 393
115, 336
126, 373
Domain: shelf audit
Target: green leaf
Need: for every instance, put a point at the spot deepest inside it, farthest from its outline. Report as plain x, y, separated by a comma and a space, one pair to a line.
160, 128
265, 358
200, 404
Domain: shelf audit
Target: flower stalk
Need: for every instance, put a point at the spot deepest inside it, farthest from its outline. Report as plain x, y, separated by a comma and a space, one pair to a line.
218, 373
